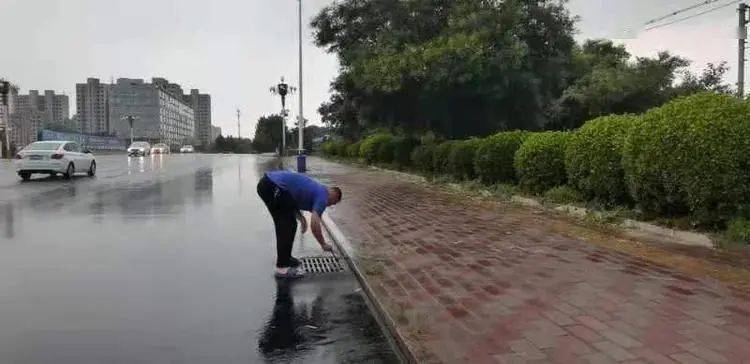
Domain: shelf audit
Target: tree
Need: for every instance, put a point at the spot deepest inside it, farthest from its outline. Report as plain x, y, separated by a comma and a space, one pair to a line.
459, 67
231, 144
711, 79
268, 134
605, 81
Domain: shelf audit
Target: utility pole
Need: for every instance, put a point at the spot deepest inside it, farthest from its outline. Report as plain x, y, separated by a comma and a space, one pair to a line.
239, 131
741, 36
130, 119
301, 123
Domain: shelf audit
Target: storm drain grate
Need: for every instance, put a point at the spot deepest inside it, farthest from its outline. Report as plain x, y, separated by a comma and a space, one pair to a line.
322, 264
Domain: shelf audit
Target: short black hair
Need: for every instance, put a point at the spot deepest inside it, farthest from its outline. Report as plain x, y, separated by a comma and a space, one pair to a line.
338, 191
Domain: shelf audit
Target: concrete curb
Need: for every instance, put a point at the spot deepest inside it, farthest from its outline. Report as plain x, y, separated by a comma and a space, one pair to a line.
387, 325
631, 228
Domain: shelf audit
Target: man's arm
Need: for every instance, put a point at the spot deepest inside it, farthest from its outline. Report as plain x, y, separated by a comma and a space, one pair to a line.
302, 221
317, 231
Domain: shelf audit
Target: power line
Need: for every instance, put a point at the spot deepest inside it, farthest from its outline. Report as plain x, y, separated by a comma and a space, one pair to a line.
693, 16
703, 3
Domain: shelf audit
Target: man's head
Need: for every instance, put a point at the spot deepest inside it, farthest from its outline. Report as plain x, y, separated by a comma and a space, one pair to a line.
334, 196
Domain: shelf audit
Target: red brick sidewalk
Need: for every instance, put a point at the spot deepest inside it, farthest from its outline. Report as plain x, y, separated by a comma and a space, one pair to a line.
467, 281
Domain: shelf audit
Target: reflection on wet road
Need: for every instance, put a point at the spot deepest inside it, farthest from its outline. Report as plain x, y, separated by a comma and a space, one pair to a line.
163, 259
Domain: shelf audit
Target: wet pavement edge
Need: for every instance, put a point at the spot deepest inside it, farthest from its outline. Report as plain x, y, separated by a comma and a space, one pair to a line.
387, 325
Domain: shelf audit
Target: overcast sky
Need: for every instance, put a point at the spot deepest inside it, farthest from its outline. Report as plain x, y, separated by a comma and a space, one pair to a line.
236, 49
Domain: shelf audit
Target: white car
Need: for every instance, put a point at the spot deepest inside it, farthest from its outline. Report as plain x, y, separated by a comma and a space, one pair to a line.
187, 149
53, 157
139, 149
160, 148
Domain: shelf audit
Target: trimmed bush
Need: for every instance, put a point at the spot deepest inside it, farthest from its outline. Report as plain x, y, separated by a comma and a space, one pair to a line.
461, 158
421, 157
352, 151
738, 230
691, 156
328, 148
335, 148
387, 150
403, 146
593, 158
369, 150
340, 148
540, 161
441, 156
494, 159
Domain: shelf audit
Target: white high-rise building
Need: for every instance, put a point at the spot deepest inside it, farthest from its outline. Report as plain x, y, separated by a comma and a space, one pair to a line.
162, 114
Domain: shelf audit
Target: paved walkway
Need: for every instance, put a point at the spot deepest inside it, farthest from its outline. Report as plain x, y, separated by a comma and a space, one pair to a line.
469, 281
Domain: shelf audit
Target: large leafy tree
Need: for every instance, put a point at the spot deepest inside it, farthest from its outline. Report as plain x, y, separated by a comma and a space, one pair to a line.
268, 134
460, 67
471, 67
606, 81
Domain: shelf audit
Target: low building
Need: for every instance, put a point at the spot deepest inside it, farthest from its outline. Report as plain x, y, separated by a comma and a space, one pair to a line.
161, 114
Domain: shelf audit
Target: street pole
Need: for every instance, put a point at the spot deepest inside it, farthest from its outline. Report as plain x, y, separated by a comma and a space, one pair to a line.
741, 36
283, 131
282, 89
239, 131
5, 91
301, 123
130, 119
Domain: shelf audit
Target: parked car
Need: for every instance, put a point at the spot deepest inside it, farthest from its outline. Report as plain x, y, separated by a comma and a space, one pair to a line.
53, 157
139, 149
160, 148
187, 149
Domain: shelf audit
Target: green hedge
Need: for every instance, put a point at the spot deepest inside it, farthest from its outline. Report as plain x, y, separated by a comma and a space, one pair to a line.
421, 157
691, 156
334, 148
738, 230
441, 155
494, 158
328, 148
403, 146
461, 158
387, 150
370, 149
540, 161
593, 158
352, 150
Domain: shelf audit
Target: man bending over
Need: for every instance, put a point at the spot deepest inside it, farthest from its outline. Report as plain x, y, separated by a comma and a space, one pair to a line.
286, 194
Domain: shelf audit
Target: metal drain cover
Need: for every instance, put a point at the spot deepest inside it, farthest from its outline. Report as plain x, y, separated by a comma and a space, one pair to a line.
321, 264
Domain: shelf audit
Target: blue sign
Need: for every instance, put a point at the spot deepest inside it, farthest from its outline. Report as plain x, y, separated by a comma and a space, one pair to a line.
90, 141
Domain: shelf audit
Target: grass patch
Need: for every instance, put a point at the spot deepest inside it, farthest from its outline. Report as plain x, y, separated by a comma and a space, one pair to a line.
505, 191
562, 195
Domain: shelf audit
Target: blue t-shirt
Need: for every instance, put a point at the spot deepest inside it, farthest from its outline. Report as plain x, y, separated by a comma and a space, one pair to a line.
306, 192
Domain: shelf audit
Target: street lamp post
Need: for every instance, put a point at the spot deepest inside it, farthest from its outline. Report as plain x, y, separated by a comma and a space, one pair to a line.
4, 90
301, 123
282, 89
130, 119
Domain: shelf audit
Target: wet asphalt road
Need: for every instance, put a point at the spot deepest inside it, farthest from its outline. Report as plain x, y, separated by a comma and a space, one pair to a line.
164, 259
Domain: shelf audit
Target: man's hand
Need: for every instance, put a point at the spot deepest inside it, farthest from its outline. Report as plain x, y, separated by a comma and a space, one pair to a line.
302, 222
317, 231
327, 247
